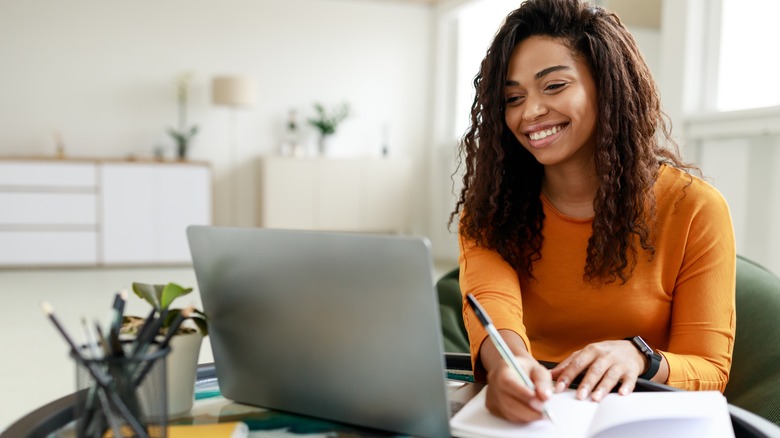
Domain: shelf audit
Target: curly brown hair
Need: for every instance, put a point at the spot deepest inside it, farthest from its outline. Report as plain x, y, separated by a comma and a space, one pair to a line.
502, 181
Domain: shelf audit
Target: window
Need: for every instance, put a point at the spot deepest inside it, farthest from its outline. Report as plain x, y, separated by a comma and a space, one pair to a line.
747, 62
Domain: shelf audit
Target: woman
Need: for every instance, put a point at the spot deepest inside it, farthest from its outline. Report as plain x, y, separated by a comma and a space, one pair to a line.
579, 230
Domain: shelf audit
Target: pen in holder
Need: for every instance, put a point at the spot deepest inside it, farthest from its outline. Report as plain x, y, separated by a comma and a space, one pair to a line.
122, 395
122, 388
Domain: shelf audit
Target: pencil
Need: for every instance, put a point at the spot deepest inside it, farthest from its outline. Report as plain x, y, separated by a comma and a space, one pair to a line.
185, 313
115, 323
502, 347
100, 379
95, 389
146, 327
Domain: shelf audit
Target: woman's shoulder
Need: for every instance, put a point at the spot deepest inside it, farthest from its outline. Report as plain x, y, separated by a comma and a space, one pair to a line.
677, 187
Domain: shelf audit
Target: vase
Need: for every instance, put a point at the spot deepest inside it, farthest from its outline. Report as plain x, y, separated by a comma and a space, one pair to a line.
181, 369
325, 144
181, 149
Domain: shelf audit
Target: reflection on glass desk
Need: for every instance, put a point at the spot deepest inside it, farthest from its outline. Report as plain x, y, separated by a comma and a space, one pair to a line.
56, 418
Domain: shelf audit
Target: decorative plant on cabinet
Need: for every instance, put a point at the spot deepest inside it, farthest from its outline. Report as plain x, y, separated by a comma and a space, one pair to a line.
327, 121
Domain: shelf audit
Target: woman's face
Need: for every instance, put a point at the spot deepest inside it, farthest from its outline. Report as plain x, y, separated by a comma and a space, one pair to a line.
551, 102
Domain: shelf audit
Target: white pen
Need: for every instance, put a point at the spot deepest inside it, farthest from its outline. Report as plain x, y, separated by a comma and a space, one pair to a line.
502, 347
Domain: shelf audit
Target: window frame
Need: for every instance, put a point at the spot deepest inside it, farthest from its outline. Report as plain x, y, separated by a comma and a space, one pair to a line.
702, 119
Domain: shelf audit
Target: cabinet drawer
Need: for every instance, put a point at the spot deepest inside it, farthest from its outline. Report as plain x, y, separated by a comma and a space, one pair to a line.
48, 208
48, 174
20, 248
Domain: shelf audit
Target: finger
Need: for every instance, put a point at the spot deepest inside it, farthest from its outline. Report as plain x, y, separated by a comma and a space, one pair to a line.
608, 381
513, 410
511, 399
578, 363
560, 383
507, 381
596, 372
558, 369
542, 379
628, 385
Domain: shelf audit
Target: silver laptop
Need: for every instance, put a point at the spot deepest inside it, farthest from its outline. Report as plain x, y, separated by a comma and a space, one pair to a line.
338, 326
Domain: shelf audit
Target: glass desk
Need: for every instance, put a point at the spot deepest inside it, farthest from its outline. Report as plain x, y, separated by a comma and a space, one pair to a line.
55, 419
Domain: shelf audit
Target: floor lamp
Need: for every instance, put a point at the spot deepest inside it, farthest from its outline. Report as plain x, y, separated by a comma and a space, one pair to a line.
234, 92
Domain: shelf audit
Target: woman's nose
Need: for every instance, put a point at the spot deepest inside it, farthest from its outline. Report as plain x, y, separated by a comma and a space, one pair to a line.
534, 107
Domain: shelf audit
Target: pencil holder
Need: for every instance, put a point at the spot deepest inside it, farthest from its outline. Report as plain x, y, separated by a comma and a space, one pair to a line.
122, 396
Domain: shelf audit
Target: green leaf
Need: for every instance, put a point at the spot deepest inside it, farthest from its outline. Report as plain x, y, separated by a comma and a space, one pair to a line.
172, 314
149, 292
170, 292
161, 296
327, 121
201, 323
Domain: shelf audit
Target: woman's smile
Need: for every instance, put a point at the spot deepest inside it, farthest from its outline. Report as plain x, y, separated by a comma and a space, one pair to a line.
541, 137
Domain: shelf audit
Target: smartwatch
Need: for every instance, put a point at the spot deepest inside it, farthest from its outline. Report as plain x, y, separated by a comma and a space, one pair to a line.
651, 355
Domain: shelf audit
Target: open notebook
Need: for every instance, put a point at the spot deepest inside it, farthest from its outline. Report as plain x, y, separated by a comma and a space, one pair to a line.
638, 415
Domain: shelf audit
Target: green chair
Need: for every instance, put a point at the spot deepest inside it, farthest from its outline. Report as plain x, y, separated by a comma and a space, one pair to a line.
754, 382
456, 339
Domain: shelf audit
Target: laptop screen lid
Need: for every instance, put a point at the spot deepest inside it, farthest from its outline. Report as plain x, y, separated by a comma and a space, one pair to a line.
332, 325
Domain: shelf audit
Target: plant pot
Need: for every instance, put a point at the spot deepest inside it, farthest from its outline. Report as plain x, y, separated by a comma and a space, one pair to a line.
181, 149
182, 367
325, 145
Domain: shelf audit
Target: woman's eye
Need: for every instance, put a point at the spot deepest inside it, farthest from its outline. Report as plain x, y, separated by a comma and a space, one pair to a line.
512, 100
555, 87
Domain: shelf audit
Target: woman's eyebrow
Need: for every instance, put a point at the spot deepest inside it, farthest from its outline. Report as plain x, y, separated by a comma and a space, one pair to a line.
549, 70
539, 75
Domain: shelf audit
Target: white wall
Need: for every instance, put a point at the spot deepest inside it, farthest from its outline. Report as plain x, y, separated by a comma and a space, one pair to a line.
103, 74
743, 168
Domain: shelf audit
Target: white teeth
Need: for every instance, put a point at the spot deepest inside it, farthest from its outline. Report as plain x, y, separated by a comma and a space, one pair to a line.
538, 135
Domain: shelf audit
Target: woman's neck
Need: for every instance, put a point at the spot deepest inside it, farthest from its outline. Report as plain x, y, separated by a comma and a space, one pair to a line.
571, 190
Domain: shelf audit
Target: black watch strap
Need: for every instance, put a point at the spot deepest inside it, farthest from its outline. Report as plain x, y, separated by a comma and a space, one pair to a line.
653, 357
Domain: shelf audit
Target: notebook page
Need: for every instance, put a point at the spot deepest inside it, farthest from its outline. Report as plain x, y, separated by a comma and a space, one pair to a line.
666, 414
572, 420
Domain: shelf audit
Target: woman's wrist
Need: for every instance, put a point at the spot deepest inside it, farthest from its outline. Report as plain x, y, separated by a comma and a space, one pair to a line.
491, 359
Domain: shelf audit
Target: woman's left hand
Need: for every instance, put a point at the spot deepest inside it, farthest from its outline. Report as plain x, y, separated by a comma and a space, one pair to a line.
606, 364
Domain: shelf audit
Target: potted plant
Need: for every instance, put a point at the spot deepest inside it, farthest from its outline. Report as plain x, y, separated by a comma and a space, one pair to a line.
326, 122
183, 134
182, 361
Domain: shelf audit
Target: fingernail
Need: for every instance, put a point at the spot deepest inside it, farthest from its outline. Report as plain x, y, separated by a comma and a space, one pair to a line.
582, 394
536, 405
597, 394
548, 391
623, 391
560, 386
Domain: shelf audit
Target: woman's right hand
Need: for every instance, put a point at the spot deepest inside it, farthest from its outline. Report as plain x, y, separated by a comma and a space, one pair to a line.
507, 396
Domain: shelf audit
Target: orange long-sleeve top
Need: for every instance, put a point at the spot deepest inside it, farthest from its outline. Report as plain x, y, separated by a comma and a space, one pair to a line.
681, 301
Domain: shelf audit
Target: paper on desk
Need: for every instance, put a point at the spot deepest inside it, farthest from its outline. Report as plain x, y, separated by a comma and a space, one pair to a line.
573, 417
638, 415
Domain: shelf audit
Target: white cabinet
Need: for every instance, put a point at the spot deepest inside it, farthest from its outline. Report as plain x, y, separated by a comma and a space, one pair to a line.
146, 208
93, 212
367, 195
48, 213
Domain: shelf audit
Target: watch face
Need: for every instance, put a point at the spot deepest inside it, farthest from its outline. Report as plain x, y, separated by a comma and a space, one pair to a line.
643, 347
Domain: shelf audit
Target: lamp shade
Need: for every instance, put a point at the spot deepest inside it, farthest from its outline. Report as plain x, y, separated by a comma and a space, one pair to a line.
233, 91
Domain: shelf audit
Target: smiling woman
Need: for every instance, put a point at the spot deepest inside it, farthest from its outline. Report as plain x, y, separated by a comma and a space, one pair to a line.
585, 237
